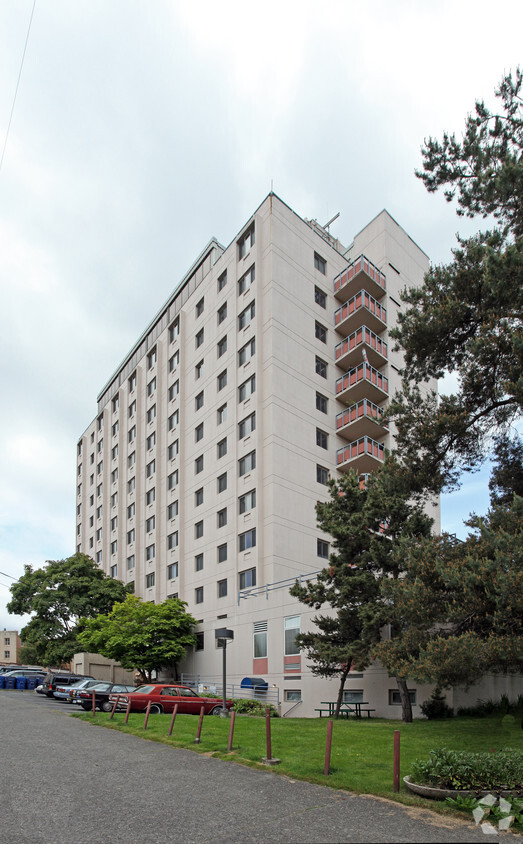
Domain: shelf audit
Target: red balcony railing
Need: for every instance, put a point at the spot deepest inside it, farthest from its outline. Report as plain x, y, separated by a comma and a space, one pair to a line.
347, 351
363, 454
362, 382
360, 419
361, 273
364, 307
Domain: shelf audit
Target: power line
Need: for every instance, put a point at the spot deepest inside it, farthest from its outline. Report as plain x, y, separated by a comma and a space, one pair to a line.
17, 84
4, 574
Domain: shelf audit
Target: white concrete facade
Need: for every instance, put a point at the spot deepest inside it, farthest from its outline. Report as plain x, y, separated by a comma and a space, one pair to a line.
200, 473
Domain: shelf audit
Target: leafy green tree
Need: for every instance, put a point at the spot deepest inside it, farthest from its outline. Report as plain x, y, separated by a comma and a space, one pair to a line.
366, 525
468, 316
460, 604
506, 479
58, 595
141, 635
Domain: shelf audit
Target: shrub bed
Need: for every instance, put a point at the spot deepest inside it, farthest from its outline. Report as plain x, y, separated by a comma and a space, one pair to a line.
454, 769
247, 706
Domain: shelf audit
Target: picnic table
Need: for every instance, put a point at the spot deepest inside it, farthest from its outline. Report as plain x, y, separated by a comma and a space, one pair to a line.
353, 708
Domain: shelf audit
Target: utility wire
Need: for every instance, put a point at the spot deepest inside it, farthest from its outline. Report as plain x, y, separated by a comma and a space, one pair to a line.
17, 84
4, 574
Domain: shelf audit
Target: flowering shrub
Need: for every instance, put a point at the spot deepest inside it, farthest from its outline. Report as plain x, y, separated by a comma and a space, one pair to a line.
461, 770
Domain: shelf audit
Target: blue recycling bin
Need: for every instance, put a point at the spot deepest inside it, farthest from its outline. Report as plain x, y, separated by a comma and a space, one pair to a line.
32, 683
2, 682
10, 682
21, 682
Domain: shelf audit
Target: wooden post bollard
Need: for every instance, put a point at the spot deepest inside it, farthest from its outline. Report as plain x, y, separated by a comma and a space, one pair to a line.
396, 777
231, 731
127, 711
328, 748
147, 712
268, 733
200, 722
171, 725
115, 704
93, 698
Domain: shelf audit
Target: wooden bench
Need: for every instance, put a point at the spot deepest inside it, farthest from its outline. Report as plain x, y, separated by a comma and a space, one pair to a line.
368, 711
345, 711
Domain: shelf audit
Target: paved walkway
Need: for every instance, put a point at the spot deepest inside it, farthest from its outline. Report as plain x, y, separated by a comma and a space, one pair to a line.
66, 782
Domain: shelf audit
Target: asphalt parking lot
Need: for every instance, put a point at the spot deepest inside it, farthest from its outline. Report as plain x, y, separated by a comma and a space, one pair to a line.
66, 781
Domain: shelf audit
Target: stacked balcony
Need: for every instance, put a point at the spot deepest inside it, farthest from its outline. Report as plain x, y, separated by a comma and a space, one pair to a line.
361, 354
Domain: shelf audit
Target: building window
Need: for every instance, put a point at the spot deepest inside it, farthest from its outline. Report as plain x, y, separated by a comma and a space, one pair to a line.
174, 361
99, 468
198, 595
247, 388
246, 280
321, 367
130, 562
99, 512
321, 403
222, 346
172, 450
114, 572
151, 387
151, 358
151, 413
172, 541
172, 479
198, 562
247, 578
247, 539
150, 468
174, 330
198, 530
149, 580
320, 297
198, 497
131, 536
114, 523
114, 476
222, 313
172, 510
132, 382
131, 460
198, 465
114, 453
291, 626
199, 307
222, 588
353, 696
150, 552
99, 535
173, 420
247, 426
172, 571
98, 556
322, 474
222, 482
131, 436
198, 402
222, 280
198, 370
114, 546
174, 390
395, 698
320, 332
292, 695
259, 640
247, 463
150, 495
222, 380
150, 524
199, 338
322, 549
131, 485
199, 644
222, 517
246, 242
222, 553
151, 441
131, 510
115, 428
247, 502
222, 414
198, 432
222, 448
322, 438
246, 352
320, 263
246, 316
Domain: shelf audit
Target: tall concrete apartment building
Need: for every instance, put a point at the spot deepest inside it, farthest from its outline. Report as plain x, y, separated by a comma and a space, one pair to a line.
264, 373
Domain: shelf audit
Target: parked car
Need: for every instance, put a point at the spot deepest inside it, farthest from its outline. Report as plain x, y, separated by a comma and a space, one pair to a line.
61, 678
102, 692
73, 690
24, 672
30, 669
164, 697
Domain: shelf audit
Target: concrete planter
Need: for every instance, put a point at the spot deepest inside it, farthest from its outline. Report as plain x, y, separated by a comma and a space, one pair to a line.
432, 793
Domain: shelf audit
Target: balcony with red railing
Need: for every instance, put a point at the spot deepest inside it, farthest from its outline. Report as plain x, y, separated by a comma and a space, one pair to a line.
361, 310
362, 382
363, 455
350, 351
362, 273
361, 419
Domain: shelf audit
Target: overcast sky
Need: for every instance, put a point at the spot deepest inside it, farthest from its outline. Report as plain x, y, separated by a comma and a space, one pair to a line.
142, 128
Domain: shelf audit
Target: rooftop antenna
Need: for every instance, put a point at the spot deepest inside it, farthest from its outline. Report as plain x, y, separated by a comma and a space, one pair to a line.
326, 226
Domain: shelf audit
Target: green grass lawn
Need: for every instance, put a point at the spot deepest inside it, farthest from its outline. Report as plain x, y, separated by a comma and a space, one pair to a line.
362, 750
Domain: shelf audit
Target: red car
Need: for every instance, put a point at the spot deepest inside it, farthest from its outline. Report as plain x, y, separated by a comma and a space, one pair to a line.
164, 697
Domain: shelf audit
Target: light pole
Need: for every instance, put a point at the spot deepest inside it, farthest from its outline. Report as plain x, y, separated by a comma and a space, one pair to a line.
225, 635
